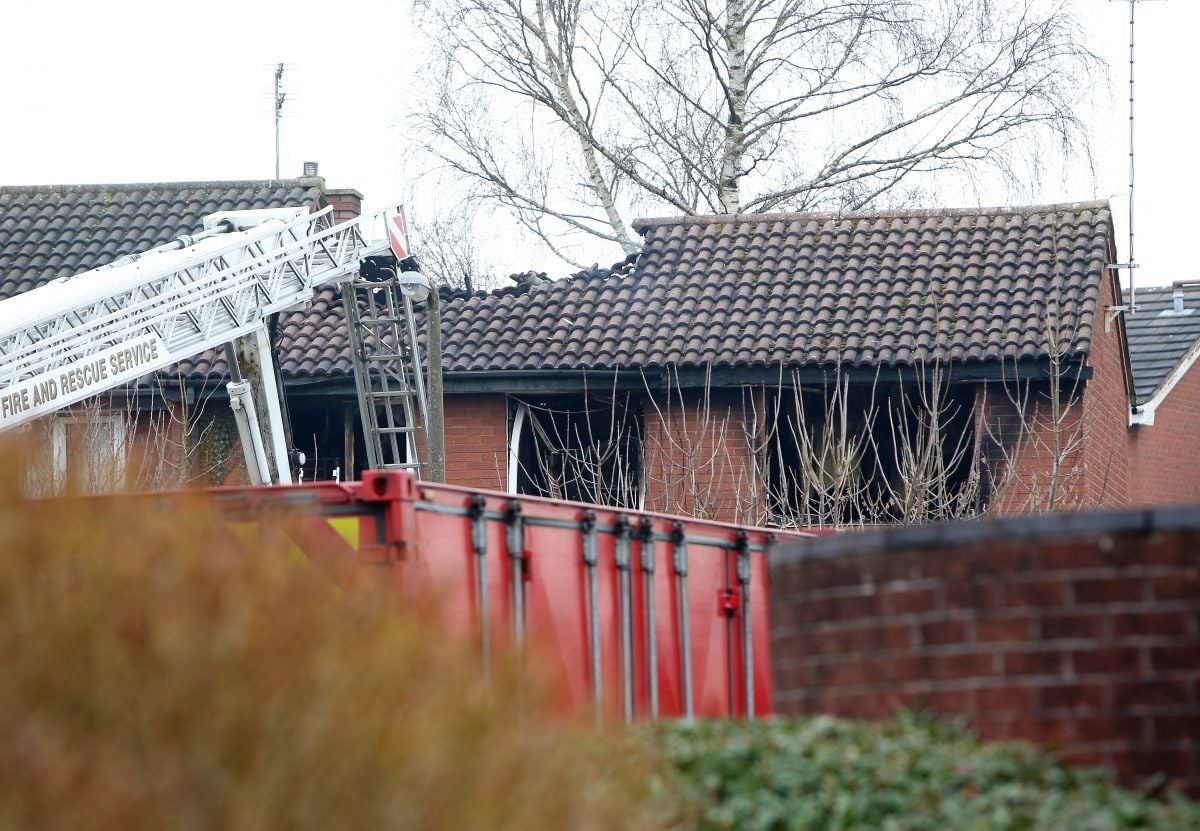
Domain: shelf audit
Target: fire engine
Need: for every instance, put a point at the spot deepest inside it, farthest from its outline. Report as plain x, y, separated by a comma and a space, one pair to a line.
641, 614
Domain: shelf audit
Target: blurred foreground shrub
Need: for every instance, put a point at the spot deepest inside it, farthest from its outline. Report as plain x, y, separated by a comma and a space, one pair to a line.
155, 677
908, 774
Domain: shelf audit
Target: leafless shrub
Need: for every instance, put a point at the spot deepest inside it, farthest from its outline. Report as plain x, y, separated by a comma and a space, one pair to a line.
156, 676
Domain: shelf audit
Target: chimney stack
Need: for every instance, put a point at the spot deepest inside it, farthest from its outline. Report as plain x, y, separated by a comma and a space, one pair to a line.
346, 202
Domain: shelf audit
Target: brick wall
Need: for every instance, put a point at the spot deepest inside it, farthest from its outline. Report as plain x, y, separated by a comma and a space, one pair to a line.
1106, 408
1166, 469
346, 202
698, 456
1079, 631
476, 429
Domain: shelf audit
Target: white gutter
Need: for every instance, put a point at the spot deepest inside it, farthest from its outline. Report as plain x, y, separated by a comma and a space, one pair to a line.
1145, 413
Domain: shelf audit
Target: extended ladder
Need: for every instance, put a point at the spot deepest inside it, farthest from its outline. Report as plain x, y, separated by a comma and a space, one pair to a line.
386, 355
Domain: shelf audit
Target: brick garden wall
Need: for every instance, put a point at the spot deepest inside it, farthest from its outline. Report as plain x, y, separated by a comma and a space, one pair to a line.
1079, 631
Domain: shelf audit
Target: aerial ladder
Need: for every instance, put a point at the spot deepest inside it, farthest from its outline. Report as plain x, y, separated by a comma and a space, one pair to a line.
98, 331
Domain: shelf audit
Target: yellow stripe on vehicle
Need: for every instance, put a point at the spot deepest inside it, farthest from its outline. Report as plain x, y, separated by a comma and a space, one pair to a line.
347, 529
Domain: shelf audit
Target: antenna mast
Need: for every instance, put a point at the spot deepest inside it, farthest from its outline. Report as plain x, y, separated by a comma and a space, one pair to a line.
1133, 299
1131, 263
280, 95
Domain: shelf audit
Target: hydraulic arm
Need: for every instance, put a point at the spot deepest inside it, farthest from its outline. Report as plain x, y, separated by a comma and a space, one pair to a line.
93, 332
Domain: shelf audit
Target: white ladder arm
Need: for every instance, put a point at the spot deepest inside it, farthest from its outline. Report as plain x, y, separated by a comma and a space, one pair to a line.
79, 336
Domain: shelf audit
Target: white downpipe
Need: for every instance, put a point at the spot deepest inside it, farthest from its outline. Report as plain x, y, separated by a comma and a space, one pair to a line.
266, 364
514, 447
241, 401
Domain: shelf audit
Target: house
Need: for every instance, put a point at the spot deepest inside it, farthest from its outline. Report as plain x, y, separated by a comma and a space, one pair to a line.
810, 369
1164, 343
802, 369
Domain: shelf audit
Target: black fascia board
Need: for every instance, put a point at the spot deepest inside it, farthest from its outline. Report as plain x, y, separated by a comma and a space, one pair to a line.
551, 380
464, 382
660, 378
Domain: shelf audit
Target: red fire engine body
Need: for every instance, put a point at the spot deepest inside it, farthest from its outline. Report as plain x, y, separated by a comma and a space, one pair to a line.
635, 614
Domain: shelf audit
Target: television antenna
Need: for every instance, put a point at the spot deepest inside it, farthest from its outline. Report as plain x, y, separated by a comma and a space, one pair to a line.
280, 96
1131, 263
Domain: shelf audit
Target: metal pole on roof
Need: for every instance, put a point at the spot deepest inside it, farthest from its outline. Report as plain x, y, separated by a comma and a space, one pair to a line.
1130, 263
279, 96
1133, 299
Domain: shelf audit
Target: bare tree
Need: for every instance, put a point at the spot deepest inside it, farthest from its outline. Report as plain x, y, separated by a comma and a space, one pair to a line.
451, 250
927, 458
908, 448
696, 453
1037, 430
588, 452
573, 113
809, 447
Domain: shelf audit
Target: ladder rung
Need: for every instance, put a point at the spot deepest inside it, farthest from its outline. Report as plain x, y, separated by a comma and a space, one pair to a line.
397, 429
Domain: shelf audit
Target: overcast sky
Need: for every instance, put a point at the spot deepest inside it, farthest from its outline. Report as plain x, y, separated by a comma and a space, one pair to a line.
131, 91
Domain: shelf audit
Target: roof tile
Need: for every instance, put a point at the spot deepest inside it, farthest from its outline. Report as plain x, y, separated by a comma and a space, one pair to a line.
973, 282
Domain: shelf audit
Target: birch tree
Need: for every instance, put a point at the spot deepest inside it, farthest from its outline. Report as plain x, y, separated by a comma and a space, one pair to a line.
576, 114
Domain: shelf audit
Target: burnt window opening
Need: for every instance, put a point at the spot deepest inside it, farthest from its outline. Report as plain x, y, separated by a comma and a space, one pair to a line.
329, 433
847, 454
580, 448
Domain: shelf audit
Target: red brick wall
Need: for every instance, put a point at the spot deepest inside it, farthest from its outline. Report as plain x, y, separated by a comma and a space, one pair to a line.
1080, 631
698, 456
1165, 461
477, 441
346, 202
1106, 409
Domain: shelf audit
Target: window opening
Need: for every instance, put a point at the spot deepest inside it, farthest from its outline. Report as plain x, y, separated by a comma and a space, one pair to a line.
579, 448
861, 454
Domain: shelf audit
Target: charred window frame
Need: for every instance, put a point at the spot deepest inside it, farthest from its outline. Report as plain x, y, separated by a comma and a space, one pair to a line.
328, 430
584, 448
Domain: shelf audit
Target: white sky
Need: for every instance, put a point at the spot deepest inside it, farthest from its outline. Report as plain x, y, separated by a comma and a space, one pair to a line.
133, 91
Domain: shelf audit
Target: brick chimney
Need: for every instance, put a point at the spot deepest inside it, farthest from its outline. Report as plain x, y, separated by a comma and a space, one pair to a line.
346, 202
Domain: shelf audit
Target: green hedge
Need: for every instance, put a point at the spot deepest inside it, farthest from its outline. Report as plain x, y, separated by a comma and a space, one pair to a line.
909, 774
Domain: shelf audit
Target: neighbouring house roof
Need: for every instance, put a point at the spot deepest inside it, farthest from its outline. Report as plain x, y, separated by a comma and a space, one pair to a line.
59, 230
1159, 337
878, 289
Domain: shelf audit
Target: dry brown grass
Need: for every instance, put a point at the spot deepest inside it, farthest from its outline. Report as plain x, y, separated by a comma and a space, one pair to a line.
152, 678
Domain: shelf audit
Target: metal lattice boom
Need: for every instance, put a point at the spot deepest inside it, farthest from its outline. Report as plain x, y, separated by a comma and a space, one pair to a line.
82, 335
